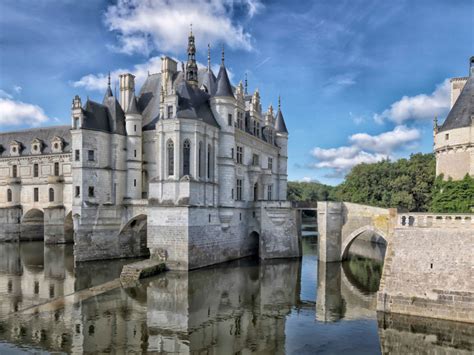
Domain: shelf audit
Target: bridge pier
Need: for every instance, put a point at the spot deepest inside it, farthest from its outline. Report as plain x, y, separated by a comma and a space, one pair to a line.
330, 222
54, 225
10, 218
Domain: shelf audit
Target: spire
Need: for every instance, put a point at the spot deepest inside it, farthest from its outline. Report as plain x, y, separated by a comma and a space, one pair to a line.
222, 54
280, 125
108, 92
208, 57
191, 66
224, 88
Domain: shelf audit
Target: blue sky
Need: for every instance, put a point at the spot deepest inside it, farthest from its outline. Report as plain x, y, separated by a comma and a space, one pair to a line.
360, 80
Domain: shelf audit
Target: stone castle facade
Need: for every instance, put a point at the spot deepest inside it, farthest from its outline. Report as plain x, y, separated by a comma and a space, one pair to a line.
454, 139
188, 169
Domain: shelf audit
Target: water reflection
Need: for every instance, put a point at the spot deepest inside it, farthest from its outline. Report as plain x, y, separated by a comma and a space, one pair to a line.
246, 306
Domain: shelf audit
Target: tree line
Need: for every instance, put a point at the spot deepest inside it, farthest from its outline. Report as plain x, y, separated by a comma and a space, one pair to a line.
406, 184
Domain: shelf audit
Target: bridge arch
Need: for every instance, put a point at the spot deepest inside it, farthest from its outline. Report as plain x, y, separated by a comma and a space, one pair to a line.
32, 225
134, 235
346, 243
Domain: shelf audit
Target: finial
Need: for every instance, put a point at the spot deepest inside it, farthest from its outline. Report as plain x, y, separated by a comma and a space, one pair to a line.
182, 67
222, 54
191, 29
209, 57
108, 81
279, 101
246, 84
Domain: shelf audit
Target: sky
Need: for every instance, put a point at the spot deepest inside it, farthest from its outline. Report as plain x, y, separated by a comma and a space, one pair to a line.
360, 80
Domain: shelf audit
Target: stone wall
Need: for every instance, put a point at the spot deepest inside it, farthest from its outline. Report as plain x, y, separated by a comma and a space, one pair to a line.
428, 273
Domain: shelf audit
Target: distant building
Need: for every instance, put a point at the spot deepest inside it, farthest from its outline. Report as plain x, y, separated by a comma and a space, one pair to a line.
454, 139
189, 169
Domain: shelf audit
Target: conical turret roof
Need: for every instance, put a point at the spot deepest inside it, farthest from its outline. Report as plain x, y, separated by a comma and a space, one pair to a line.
462, 111
223, 83
132, 106
280, 125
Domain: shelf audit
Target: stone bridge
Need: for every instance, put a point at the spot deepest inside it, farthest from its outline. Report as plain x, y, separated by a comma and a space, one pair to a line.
339, 223
428, 264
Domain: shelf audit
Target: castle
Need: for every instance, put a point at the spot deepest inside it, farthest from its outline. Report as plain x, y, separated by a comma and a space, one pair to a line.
188, 170
454, 139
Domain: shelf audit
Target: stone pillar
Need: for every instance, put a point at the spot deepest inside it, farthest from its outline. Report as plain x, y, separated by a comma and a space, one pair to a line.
54, 218
329, 302
330, 222
10, 218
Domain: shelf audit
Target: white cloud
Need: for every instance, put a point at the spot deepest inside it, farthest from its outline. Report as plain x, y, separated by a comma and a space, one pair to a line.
308, 179
143, 26
339, 82
17, 89
386, 142
364, 148
14, 113
4, 94
419, 107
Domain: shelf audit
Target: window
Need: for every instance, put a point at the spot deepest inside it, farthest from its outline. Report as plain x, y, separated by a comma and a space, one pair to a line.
35, 170
229, 119
239, 190
446, 136
135, 153
270, 163
254, 128
56, 169
269, 192
255, 160
170, 111
90, 155
91, 191
51, 195
36, 287
36, 194
255, 192
170, 152
186, 157
51, 291
200, 159
9, 195
135, 182
76, 122
258, 130
240, 154
134, 128
14, 171
232, 153
77, 155
78, 191
240, 122
232, 193
209, 161
56, 146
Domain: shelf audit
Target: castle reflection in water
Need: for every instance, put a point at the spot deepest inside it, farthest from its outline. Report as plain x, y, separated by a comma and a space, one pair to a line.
243, 306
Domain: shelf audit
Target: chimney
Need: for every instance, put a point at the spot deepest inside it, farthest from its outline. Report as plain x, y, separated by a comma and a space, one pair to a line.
127, 89
168, 68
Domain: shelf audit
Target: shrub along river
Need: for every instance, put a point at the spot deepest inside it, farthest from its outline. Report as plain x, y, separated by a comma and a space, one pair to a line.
47, 304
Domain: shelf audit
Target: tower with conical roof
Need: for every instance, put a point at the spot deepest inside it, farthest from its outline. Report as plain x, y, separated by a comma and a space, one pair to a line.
454, 139
134, 161
282, 141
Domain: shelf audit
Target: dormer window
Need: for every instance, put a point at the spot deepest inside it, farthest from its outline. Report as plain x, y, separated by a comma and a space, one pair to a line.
446, 136
36, 146
15, 148
57, 145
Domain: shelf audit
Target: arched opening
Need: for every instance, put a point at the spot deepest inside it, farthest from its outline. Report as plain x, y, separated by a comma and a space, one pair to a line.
363, 258
254, 243
134, 236
32, 225
68, 228
51, 194
186, 157
9, 195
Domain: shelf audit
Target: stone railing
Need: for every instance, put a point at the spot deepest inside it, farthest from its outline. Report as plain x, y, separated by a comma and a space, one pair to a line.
435, 220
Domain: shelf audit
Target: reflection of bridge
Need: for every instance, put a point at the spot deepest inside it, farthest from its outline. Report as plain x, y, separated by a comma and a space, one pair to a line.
429, 256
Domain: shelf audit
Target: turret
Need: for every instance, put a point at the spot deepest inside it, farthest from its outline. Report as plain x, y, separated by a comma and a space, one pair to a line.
77, 115
133, 121
191, 65
282, 142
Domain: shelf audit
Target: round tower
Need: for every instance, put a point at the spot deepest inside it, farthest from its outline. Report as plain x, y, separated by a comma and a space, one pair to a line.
133, 124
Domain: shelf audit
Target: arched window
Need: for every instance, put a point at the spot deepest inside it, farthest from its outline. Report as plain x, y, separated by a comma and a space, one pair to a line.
209, 161
14, 171
9, 195
200, 160
51, 195
170, 152
186, 157
56, 169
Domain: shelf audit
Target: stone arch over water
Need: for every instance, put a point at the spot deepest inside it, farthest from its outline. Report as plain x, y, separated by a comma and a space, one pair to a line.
133, 235
32, 225
355, 234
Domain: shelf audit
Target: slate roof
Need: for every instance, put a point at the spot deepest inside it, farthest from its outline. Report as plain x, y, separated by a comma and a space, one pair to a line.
193, 103
280, 125
132, 106
223, 83
208, 79
149, 100
26, 137
463, 109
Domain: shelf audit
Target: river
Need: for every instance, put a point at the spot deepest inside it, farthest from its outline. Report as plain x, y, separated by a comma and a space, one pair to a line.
47, 304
